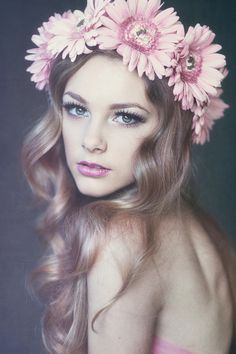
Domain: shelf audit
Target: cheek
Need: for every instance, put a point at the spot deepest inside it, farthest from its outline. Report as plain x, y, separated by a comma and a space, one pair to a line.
69, 146
125, 149
71, 138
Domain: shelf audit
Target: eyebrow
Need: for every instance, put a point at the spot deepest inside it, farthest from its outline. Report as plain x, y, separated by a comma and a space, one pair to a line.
79, 98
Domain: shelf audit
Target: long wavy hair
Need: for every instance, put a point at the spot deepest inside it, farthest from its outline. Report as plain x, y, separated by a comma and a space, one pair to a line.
71, 237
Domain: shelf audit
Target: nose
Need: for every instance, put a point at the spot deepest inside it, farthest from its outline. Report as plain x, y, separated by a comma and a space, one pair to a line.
93, 138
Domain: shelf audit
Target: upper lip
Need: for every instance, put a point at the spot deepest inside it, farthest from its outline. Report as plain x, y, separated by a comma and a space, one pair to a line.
92, 164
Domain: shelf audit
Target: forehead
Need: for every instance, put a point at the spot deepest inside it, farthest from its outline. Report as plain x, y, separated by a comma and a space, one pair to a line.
108, 79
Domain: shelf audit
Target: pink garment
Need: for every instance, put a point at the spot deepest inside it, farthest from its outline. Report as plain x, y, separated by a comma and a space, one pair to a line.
160, 346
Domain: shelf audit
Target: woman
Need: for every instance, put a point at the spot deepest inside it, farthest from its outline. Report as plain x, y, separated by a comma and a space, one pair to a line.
131, 264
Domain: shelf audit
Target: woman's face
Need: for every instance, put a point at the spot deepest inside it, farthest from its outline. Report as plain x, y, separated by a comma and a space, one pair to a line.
106, 116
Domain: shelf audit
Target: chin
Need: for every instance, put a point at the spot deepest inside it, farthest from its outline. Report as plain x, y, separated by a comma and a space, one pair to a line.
95, 192
109, 193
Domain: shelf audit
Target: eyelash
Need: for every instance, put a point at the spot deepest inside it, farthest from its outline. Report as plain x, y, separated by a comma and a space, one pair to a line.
136, 117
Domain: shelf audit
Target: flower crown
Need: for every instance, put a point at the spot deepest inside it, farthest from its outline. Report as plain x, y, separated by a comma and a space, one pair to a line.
149, 39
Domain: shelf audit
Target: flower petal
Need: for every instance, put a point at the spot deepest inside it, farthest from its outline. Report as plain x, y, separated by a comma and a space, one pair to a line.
141, 7
142, 64
197, 92
152, 8
157, 66
178, 88
125, 51
79, 47
212, 76
213, 48
106, 21
104, 31
162, 15
108, 42
132, 6
208, 88
111, 10
122, 9
133, 60
215, 60
163, 58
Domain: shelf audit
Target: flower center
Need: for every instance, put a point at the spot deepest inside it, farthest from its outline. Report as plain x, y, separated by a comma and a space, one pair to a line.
81, 23
141, 35
190, 63
191, 67
78, 33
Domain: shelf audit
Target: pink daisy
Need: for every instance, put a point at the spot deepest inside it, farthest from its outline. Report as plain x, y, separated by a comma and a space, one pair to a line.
203, 124
41, 67
41, 57
142, 34
196, 70
68, 36
72, 34
65, 34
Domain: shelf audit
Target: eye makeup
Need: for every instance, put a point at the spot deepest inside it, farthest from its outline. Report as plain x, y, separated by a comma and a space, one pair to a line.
128, 119
135, 117
115, 106
74, 109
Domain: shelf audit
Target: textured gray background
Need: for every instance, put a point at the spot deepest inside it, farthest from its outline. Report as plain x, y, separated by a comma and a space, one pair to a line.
21, 104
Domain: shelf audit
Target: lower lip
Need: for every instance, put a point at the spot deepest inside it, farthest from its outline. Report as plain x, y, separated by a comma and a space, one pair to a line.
92, 171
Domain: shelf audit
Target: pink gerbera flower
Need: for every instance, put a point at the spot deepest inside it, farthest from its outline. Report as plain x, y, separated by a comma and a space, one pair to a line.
196, 70
142, 34
70, 36
66, 34
203, 124
42, 58
41, 67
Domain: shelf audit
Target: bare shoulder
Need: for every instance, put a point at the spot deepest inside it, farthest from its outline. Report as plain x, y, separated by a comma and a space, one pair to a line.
123, 248
185, 241
198, 310
128, 325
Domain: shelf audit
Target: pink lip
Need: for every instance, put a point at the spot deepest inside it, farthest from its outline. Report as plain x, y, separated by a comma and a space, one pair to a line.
92, 169
92, 165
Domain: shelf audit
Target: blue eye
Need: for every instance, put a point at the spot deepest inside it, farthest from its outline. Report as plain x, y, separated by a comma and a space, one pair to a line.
75, 109
124, 118
129, 119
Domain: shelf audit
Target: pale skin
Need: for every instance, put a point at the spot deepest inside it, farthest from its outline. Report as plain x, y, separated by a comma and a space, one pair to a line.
100, 133
182, 296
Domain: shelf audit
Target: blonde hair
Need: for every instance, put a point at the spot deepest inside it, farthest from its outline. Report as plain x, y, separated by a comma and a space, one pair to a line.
72, 240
